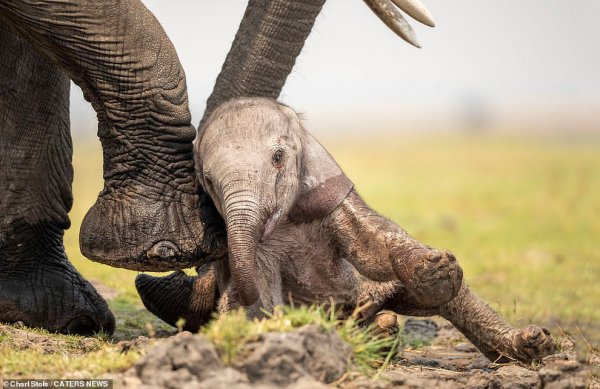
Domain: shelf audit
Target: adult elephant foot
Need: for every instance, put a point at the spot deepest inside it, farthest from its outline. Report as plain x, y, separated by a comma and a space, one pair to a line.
138, 227
147, 217
40, 287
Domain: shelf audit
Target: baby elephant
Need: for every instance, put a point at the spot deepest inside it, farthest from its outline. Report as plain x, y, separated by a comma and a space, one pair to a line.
298, 232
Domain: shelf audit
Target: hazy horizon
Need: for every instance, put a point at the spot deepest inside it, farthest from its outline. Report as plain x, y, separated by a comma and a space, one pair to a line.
505, 65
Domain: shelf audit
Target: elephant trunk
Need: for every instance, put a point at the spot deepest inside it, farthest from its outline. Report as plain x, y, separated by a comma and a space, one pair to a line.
244, 228
270, 37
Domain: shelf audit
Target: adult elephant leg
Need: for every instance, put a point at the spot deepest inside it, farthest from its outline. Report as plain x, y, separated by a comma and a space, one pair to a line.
38, 284
149, 215
269, 39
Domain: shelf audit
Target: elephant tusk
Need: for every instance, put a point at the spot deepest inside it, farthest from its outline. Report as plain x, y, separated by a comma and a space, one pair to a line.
416, 10
389, 14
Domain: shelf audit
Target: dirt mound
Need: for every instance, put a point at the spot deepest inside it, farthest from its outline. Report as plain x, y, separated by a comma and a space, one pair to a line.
311, 358
306, 358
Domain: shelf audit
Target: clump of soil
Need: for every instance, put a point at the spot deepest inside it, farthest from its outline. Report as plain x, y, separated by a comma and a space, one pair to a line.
311, 358
306, 358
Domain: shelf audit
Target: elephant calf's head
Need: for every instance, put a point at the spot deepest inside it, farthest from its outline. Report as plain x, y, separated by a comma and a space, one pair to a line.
259, 165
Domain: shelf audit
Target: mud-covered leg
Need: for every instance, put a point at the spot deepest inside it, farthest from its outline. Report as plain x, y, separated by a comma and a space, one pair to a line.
38, 285
372, 297
179, 296
382, 251
493, 336
496, 339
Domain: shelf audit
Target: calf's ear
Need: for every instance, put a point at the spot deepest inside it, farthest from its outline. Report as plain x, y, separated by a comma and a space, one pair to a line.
323, 185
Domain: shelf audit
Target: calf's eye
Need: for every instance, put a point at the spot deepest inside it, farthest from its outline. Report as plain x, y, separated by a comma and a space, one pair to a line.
278, 158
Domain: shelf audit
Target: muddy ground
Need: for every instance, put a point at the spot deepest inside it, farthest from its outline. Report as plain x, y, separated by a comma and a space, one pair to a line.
309, 358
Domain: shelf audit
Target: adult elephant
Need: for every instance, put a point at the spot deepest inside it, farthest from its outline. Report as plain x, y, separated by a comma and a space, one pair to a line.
150, 215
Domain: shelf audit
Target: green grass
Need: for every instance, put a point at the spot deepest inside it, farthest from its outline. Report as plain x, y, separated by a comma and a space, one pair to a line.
522, 216
231, 332
31, 353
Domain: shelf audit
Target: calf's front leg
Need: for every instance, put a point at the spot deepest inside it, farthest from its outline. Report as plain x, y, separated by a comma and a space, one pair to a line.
430, 283
382, 251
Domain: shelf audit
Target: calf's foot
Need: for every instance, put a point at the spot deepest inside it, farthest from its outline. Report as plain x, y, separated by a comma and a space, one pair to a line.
432, 276
179, 296
532, 343
493, 336
382, 251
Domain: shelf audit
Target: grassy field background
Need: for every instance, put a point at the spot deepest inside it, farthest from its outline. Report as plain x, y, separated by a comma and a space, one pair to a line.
522, 215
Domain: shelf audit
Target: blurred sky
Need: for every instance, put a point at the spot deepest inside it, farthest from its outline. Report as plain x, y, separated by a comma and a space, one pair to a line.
509, 65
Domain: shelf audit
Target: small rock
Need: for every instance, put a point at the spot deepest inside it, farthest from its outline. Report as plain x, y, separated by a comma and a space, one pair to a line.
425, 362
425, 329
466, 348
567, 366
307, 383
139, 343
562, 356
482, 380
227, 378
481, 363
517, 376
563, 374
178, 361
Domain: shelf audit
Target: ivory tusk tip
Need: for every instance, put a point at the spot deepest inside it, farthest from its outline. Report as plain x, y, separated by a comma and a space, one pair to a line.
416, 44
416, 10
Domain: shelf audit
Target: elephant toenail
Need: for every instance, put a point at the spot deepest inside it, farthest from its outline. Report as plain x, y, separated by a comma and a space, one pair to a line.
19, 324
82, 325
435, 258
163, 250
